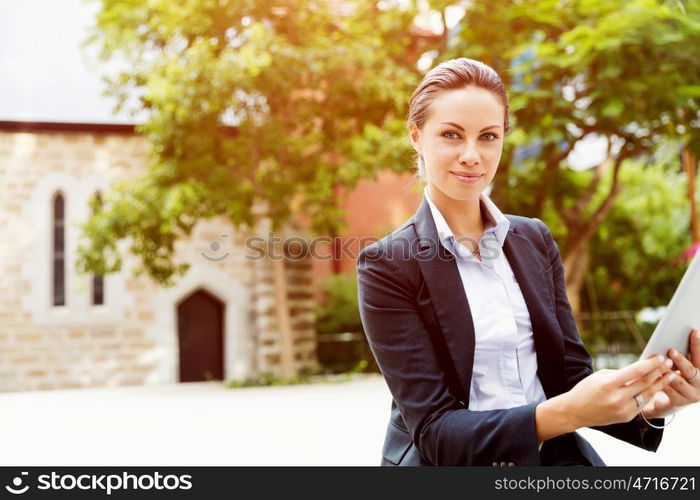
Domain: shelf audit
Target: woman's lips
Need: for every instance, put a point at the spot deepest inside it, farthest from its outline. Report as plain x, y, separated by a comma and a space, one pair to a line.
467, 178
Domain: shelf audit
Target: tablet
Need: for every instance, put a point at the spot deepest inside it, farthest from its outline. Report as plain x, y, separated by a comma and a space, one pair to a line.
681, 316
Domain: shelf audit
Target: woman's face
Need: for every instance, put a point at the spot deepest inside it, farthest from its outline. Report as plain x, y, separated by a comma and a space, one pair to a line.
461, 142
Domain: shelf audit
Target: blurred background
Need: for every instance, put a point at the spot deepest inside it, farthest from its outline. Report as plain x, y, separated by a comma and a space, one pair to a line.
185, 185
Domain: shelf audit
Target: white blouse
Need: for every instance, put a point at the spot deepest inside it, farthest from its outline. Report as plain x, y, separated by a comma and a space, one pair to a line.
504, 374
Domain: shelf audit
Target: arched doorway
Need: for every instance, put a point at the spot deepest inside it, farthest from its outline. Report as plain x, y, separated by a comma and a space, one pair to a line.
200, 329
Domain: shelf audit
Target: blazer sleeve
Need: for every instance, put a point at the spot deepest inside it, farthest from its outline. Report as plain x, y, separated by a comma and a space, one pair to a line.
578, 360
442, 429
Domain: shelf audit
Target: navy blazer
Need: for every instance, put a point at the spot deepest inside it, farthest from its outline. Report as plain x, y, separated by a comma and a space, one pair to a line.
409, 291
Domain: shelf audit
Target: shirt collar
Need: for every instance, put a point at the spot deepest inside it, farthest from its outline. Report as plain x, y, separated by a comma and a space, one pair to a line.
495, 223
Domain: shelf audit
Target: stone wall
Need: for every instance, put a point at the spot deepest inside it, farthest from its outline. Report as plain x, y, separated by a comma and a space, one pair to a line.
300, 298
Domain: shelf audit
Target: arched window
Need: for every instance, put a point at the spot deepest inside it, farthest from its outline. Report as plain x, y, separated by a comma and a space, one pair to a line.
98, 285
59, 251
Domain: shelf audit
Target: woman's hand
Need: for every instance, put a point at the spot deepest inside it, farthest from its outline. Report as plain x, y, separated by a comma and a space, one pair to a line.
608, 396
679, 393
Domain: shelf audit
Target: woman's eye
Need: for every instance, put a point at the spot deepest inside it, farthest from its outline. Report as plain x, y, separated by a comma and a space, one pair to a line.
451, 135
490, 137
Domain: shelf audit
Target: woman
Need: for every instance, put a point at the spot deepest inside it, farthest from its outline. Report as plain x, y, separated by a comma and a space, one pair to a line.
466, 312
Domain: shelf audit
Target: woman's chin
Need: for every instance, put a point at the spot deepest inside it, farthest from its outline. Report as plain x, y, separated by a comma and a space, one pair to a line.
464, 192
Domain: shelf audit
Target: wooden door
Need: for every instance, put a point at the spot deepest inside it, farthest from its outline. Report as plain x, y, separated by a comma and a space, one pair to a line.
200, 325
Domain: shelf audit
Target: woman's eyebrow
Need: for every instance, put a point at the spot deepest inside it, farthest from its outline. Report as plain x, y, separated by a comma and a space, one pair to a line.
462, 129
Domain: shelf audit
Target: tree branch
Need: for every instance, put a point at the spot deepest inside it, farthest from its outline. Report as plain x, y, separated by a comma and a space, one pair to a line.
607, 204
547, 176
566, 214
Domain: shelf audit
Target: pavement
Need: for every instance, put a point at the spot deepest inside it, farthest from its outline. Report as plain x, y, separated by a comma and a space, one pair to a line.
198, 424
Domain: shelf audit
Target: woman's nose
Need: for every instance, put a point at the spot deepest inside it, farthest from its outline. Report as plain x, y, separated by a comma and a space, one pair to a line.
470, 154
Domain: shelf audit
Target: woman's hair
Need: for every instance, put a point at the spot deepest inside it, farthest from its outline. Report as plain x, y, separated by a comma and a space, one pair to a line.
451, 75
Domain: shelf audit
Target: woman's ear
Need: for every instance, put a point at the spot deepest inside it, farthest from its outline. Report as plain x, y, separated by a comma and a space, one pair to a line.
414, 135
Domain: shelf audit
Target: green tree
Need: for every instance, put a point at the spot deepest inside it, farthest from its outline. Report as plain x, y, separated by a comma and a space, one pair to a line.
255, 109
637, 254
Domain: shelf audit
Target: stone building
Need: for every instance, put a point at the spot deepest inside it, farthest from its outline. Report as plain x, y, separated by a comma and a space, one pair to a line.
61, 329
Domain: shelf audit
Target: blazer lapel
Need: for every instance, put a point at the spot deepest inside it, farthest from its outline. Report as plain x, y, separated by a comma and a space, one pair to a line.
441, 276
439, 269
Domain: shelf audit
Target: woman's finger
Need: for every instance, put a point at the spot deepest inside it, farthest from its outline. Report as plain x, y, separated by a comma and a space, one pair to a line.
639, 369
680, 385
695, 347
686, 367
677, 399
660, 383
660, 403
641, 384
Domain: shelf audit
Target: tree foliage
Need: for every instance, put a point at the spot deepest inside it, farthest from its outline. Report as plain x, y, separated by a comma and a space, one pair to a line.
255, 108
637, 255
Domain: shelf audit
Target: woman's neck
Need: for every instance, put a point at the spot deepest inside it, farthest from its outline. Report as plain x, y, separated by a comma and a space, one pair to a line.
463, 216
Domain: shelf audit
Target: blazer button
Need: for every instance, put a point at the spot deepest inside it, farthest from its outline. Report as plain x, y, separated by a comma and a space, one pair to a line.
511, 464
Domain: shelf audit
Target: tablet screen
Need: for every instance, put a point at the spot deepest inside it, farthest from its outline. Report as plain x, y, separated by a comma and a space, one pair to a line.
681, 317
